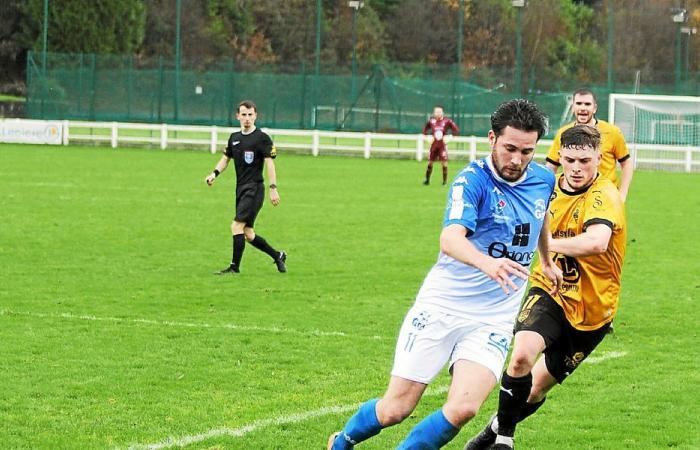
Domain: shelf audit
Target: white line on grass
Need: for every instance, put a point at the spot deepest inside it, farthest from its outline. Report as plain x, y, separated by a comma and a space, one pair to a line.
258, 424
299, 417
604, 356
170, 323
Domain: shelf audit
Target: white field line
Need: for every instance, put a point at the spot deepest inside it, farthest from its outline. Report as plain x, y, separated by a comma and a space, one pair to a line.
604, 357
169, 323
295, 418
259, 424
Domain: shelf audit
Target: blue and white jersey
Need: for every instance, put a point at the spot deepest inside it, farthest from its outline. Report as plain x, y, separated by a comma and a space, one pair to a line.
503, 220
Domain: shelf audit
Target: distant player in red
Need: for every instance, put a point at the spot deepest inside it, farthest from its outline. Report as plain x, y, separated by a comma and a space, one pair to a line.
438, 125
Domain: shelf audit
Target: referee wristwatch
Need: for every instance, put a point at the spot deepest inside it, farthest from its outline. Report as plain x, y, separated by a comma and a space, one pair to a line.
273, 186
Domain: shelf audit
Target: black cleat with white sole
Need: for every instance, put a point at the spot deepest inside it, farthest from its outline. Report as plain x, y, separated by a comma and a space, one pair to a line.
230, 270
483, 440
279, 262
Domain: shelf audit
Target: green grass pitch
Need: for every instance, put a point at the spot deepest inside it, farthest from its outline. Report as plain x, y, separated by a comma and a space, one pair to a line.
115, 334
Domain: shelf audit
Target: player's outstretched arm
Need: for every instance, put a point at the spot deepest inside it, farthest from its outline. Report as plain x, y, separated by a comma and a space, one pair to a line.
454, 244
549, 269
593, 241
220, 167
272, 179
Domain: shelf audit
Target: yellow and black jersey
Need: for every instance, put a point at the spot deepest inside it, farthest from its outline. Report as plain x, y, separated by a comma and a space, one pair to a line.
613, 148
589, 295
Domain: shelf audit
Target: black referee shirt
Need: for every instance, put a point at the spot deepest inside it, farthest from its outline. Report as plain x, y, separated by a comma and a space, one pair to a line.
248, 152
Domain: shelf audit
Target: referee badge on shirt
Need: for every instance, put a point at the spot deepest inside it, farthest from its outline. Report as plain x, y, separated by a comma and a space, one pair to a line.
248, 157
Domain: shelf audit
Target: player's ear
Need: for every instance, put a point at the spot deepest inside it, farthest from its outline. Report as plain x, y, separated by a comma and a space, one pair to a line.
492, 139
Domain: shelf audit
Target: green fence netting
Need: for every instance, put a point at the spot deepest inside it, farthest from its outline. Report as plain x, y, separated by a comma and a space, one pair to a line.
389, 98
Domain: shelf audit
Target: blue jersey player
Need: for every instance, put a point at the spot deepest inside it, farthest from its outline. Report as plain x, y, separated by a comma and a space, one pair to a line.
463, 315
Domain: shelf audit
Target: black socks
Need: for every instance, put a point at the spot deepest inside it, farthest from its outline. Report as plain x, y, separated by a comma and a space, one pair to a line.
511, 402
238, 247
261, 244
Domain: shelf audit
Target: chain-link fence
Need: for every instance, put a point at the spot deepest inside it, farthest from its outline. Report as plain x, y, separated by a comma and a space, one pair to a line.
389, 98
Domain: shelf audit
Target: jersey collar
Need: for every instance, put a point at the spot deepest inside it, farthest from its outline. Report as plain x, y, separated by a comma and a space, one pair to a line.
246, 134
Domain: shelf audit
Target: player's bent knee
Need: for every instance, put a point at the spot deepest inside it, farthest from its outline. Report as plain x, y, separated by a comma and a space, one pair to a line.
521, 362
391, 412
460, 413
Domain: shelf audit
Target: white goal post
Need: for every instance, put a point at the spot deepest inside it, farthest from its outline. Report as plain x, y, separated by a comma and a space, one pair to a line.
662, 131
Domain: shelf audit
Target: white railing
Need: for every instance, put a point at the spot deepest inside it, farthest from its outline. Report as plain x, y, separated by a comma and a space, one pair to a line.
315, 142
318, 142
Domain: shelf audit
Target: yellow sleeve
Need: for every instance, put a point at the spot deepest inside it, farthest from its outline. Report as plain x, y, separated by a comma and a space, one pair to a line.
620, 147
604, 206
553, 153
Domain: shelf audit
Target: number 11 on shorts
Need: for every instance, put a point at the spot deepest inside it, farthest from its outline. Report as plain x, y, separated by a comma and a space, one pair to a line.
410, 341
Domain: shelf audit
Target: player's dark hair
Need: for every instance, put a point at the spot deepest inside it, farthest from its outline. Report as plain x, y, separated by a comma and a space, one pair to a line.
585, 91
580, 137
248, 104
520, 114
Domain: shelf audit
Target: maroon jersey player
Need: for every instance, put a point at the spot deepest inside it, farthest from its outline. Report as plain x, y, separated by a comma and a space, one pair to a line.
438, 126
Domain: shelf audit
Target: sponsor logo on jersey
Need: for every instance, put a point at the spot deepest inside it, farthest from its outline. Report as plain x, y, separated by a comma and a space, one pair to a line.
570, 271
521, 237
248, 157
500, 250
235, 143
597, 201
540, 208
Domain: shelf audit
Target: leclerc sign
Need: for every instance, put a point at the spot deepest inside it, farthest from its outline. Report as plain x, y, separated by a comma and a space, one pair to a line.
22, 131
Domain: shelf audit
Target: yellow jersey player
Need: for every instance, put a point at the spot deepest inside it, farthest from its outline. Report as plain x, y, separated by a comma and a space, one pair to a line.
613, 148
587, 221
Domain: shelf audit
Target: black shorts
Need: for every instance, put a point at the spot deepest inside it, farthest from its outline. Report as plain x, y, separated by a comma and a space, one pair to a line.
249, 201
566, 347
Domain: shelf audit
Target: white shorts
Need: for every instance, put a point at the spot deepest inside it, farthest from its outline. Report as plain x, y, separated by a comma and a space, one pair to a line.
429, 337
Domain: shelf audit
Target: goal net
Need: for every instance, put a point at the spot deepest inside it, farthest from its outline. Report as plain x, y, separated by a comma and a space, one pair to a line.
662, 131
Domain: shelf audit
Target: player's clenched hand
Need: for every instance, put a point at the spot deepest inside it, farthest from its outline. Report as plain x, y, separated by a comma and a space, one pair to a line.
554, 274
274, 197
210, 179
502, 269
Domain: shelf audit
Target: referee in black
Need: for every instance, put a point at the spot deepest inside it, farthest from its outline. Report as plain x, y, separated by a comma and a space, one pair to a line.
249, 149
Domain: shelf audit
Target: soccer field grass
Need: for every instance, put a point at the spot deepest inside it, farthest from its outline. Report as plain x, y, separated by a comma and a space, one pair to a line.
115, 334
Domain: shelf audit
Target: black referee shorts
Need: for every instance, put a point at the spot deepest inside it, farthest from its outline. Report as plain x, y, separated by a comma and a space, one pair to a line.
249, 201
566, 347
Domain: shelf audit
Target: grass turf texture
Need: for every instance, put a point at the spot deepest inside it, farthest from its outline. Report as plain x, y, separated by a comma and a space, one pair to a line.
116, 333
11, 98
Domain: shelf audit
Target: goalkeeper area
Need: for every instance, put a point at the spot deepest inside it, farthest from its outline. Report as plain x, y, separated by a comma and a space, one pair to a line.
662, 131
115, 334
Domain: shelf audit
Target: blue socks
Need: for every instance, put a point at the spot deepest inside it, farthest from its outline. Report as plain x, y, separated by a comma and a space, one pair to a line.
363, 425
430, 434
